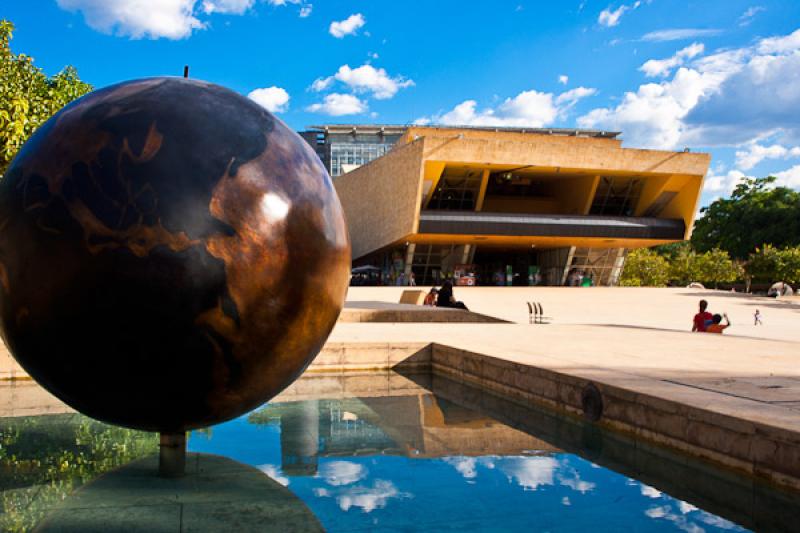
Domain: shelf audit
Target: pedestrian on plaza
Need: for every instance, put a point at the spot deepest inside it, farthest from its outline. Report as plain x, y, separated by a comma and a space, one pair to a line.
430, 298
702, 317
757, 318
716, 326
446, 298
412, 281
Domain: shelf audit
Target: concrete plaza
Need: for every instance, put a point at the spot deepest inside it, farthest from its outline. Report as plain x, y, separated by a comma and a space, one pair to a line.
733, 399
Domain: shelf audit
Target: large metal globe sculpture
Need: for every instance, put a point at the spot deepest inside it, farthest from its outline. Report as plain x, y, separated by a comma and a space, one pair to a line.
171, 255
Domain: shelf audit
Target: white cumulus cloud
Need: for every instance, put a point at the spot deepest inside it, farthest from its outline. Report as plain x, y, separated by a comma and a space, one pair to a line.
610, 18
365, 78
563, 79
348, 26
532, 109
337, 105
789, 177
305, 11
156, 19
663, 67
726, 98
753, 153
273, 99
722, 183
233, 7
172, 19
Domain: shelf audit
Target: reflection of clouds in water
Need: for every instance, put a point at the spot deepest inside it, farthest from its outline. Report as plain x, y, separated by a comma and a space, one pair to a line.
464, 465
685, 521
468, 466
533, 472
364, 497
342, 472
565, 501
649, 491
576, 483
529, 472
716, 521
274, 472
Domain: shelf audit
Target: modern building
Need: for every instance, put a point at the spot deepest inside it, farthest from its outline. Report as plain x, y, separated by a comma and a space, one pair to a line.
343, 148
501, 206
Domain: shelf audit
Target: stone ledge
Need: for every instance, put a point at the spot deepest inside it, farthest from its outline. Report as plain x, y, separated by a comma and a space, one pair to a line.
766, 451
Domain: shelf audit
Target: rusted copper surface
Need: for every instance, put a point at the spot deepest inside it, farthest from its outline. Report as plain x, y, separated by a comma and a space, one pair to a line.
171, 255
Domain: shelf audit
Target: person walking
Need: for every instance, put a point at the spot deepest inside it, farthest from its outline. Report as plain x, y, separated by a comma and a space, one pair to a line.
757, 318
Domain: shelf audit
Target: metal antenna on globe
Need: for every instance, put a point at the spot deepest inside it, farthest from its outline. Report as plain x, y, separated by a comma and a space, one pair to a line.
186, 71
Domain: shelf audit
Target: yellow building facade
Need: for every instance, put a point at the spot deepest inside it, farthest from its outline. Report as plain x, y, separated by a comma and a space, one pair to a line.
510, 206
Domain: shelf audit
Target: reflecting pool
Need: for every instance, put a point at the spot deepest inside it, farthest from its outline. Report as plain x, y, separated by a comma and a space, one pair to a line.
383, 453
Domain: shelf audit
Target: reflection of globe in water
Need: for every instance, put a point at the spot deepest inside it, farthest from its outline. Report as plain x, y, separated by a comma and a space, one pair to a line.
171, 255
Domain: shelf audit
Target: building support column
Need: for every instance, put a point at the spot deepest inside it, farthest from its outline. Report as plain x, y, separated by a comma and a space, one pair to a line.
465, 255
567, 265
482, 190
616, 270
409, 260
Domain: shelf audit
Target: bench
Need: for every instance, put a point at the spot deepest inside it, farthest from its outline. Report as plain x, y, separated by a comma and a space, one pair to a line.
412, 297
536, 313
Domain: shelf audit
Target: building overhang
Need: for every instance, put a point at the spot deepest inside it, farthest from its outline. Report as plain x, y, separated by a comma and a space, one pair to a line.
516, 225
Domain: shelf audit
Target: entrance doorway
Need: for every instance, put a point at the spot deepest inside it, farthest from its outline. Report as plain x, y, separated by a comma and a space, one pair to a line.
504, 267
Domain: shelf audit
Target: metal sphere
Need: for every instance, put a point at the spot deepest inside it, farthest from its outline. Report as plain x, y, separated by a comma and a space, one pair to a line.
171, 255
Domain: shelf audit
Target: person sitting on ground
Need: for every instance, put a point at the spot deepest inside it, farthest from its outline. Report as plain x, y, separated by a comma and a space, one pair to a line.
716, 327
430, 298
446, 298
700, 319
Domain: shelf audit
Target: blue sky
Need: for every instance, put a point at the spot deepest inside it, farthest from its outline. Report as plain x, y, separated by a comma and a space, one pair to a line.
720, 76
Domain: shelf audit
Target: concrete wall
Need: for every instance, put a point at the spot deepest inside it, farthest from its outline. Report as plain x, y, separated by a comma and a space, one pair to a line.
381, 199
557, 152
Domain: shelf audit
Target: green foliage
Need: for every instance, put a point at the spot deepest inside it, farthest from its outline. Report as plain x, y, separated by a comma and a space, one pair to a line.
644, 268
715, 267
756, 214
770, 264
45, 458
27, 96
683, 265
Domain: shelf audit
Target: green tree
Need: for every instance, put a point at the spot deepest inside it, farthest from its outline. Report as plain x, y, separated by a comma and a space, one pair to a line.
644, 268
770, 264
756, 213
715, 267
28, 97
683, 265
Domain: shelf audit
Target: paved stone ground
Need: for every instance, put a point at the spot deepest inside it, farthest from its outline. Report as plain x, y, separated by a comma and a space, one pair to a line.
635, 339
647, 307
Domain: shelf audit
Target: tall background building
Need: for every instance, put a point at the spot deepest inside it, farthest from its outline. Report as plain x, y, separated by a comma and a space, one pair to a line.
505, 206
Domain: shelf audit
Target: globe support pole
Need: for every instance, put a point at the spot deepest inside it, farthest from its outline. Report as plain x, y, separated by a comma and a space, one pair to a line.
172, 455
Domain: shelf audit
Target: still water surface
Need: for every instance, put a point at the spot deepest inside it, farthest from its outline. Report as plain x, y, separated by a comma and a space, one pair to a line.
428, 456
